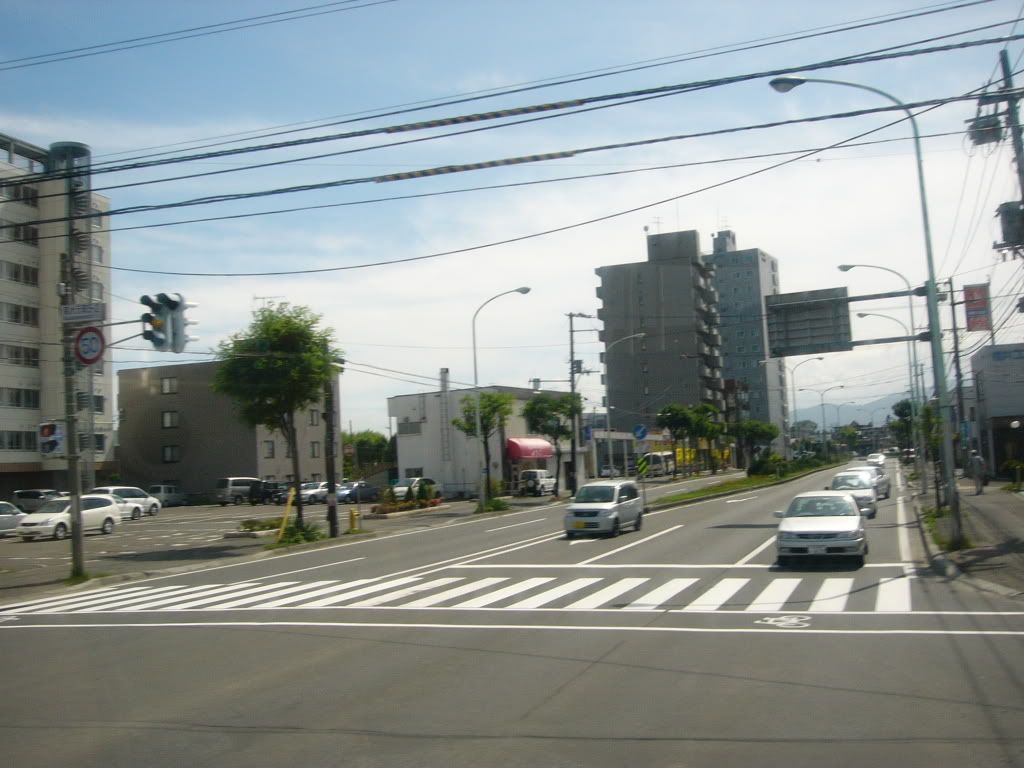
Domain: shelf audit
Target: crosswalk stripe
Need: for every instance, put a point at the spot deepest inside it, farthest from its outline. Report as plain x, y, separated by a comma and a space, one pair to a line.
388, 597
832, 595
113, 603
286, 590
513, 589
369, 589
163, 602
609, 593
308, 595
206, 600
45, 606
91, 595
661, 594
459, 591
717, 595
550, 595
775, 595
893, 595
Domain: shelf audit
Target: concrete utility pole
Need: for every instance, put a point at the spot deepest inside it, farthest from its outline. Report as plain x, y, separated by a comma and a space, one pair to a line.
573, 370
332, 478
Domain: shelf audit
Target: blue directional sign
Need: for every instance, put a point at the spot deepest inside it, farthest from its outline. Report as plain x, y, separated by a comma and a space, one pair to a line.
639, 431
588, 433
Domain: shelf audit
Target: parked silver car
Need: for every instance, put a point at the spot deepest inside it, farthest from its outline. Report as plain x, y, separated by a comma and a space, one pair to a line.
10, 516
53, 519
150, 505
30, 500
605, 507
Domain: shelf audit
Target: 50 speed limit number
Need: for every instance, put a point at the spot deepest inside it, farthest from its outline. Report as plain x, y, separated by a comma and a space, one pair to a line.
89, 345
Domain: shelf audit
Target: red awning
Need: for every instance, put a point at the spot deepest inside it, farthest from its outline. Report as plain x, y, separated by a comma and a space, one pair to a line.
519, 448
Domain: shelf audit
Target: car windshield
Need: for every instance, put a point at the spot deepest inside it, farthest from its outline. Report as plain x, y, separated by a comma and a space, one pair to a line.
592, 493
52, 507
849, 481
820, 506
310, 486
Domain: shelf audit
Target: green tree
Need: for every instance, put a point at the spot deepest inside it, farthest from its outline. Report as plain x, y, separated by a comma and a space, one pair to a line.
551, 416
679, 421
902, 427
750, 435
369, 448
706, 425
275, 368
495, 408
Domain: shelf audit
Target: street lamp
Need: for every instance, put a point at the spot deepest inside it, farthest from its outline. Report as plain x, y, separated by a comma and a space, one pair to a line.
912, 367
792, 381
822, 392
608, 402
476, 386
786, 84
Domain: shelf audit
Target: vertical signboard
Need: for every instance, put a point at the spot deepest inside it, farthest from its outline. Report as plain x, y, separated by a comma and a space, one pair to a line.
976, 307
51, 439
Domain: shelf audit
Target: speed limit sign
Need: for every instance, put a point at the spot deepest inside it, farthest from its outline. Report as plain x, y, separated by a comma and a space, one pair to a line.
89, 345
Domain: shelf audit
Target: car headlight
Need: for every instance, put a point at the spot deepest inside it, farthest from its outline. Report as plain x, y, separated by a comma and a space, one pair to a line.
787, 536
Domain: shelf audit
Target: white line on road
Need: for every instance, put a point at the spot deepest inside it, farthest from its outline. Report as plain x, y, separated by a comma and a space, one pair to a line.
737, 501
903, 535
514, 525
832, 595
633, 544
756, 552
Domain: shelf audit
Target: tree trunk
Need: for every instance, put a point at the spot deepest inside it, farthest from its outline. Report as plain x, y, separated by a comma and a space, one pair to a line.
487, 472
293, 445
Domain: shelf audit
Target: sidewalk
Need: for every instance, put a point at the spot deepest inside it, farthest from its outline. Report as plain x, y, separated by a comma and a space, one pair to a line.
993, 523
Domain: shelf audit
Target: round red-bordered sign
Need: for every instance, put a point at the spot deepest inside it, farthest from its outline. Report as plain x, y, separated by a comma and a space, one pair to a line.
89, 345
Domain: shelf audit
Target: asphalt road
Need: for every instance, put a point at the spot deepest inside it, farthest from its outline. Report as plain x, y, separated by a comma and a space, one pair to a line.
495, 641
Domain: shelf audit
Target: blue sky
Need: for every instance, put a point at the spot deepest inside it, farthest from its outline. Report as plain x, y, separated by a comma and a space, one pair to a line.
400, 323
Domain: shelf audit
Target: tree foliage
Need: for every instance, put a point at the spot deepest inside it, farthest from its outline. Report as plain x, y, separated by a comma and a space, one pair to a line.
680, 421
551, 416
277, 367
495, 408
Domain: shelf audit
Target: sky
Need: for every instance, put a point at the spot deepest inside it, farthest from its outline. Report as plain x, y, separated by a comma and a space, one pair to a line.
398, 268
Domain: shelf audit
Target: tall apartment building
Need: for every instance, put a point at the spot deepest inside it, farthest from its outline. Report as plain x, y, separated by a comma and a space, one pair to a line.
743, 278
47, 256
175, 429
671, 299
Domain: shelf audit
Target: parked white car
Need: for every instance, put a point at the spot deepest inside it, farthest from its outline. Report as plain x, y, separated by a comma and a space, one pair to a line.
402, 487
536, 482
100, 512
149, 505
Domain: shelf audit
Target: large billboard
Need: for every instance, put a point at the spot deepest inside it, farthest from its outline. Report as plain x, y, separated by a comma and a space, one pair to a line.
808, 322
976, 307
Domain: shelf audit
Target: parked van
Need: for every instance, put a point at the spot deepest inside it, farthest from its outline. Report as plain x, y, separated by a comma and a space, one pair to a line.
660, 463
167, 495
234, 490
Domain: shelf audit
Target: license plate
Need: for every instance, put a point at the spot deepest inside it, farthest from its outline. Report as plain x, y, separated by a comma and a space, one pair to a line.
579, 524
817, 549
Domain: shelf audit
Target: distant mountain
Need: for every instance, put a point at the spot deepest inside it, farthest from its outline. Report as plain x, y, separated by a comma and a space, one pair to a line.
861, 413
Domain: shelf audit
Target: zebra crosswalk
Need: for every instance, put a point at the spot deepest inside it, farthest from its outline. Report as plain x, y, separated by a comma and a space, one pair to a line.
586, 593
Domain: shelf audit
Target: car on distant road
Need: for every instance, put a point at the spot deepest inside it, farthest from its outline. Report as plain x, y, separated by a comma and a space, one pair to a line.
821, 523
604, 507
879, 479
313, 492
150, 505
167, 495
536, 482
876, 459
859, 484
10, 516
30, 500
100, 512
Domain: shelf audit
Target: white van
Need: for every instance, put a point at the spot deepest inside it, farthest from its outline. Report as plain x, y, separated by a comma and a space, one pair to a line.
234, 490
167, 495
660, 463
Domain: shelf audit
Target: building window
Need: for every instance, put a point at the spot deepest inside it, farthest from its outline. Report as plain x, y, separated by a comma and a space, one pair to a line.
99, 443
19, 441
99, 403
268, 451
22, 315
171, 454
96, 253
15, 397
314, 418
314, 449
15, 355
97, 218
20, 273
169, 385
168, 419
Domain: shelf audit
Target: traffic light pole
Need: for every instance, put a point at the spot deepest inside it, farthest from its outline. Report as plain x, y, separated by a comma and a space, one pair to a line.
71, 449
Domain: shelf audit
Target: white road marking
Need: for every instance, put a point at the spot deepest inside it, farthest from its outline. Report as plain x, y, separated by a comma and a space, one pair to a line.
660, 595
631, 545
501, 594
255, 589
514, 525
774, 596
737, 501
306, 595
398, 595
550, 595
893, 595
717, 595
756, 552
903, 535
369, 589
278, 589
459, 591
832, 595
609, 593
163, 602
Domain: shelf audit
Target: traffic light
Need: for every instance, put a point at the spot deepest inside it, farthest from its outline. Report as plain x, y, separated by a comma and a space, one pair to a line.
179, 323
158, 322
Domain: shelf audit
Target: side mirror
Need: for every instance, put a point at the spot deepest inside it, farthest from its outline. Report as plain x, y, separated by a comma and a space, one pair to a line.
779, 513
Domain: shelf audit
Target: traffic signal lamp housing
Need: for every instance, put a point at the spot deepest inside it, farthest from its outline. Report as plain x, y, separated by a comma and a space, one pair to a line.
179, 323
156, 323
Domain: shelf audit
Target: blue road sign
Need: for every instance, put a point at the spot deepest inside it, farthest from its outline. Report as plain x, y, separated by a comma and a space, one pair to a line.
639, 431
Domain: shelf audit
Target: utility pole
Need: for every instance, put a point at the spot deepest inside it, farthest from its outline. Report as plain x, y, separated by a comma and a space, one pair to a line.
1011, 111
575, 366
332, 478
961, 415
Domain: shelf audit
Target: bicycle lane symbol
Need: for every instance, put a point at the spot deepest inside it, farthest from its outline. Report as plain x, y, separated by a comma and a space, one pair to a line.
786, 622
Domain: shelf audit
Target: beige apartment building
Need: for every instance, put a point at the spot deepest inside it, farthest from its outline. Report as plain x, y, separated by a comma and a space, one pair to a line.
175, 429
53, 249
